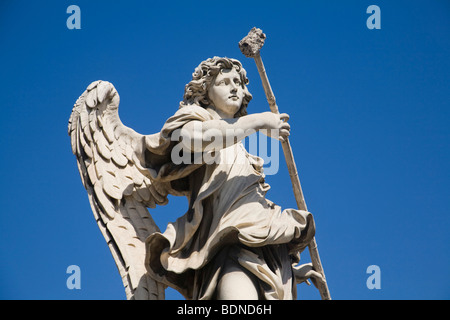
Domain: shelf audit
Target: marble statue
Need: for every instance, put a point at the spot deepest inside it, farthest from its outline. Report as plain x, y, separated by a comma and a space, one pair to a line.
232, 242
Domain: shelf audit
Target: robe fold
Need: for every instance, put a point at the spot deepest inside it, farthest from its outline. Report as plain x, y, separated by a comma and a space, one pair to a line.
229, 217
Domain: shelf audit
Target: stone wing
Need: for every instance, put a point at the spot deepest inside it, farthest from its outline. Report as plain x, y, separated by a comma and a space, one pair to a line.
110, 161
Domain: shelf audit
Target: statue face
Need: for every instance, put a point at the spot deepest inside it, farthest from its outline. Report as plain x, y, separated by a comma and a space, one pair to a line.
226, 93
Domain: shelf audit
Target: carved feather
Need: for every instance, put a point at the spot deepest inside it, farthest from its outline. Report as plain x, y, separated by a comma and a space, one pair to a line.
119, 187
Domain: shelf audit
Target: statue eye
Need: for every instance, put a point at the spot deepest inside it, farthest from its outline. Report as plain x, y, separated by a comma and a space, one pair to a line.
220, 83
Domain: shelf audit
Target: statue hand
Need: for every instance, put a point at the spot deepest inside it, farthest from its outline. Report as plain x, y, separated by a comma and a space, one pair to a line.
306, 271
276, 125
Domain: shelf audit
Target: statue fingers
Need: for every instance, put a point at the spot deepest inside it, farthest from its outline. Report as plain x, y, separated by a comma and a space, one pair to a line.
284, 117
283, 134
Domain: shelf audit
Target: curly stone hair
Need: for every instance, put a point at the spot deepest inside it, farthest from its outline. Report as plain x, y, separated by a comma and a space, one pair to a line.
196, 91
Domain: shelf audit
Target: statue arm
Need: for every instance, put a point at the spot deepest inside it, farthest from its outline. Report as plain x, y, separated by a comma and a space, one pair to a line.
199, 136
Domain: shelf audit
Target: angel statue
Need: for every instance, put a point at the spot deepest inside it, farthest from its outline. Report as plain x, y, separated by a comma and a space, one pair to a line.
232, 242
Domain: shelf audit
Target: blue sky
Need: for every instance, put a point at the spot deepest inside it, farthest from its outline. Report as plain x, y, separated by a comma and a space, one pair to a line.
369, 109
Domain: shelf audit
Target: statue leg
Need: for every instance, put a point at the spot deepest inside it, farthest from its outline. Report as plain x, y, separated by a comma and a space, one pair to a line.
236, 283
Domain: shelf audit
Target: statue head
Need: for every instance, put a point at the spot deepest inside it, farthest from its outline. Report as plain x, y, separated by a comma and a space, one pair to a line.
197, 91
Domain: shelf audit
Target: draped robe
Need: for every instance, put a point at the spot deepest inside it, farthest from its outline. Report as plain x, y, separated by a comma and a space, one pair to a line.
229, 217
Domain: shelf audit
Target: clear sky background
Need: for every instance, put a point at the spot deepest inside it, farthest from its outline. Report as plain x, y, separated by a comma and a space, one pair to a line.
370, 118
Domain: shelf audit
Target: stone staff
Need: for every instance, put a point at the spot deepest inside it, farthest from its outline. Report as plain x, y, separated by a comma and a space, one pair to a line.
250, 46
